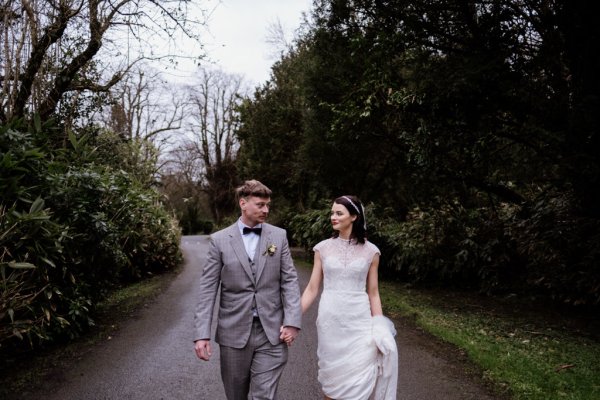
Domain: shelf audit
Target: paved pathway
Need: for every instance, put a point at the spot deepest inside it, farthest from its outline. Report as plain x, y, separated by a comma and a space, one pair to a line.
151, 357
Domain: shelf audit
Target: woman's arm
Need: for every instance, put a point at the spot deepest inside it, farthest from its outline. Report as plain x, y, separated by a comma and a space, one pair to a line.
373, 287
312, 289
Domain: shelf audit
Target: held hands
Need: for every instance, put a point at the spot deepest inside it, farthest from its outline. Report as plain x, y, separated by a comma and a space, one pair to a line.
203, 350
288, 334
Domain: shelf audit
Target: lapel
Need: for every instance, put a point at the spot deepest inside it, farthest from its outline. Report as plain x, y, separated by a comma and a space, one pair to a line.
240, 251
265, 240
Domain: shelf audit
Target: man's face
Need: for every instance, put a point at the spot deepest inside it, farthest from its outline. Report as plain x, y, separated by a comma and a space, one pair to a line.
254, 209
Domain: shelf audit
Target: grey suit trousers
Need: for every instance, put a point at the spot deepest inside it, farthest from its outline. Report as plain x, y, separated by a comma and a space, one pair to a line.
253, 371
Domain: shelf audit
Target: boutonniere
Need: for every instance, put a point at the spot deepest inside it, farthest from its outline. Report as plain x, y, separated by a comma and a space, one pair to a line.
270, 250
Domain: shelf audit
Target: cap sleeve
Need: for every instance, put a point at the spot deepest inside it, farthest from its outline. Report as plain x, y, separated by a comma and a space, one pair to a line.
373, 250
323, 246
319, 246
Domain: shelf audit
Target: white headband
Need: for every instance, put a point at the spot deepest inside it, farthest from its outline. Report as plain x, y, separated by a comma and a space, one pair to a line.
358, 211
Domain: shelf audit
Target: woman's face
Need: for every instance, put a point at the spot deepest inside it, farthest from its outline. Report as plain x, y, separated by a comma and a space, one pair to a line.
341, 220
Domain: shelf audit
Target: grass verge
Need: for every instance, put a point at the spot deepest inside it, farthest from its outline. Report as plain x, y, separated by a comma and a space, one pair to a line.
24, 372
530, 352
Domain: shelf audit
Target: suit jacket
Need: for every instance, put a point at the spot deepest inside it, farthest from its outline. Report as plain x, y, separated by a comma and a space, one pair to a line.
275, 287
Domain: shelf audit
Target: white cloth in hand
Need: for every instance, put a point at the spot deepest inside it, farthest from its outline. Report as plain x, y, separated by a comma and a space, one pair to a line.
387, 379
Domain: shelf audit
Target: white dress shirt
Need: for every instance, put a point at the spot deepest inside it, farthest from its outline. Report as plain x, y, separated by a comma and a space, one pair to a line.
250, 239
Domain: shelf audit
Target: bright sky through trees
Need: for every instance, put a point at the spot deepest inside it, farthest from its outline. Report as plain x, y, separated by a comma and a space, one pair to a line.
236, 39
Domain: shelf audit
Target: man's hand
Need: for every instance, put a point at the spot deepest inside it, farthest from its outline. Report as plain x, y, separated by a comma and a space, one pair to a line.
203, 350
288, 334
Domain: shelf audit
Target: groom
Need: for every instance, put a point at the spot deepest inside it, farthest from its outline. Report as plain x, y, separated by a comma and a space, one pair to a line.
259, 302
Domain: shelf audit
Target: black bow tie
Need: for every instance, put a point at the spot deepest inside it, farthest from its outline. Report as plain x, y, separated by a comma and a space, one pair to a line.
255, 230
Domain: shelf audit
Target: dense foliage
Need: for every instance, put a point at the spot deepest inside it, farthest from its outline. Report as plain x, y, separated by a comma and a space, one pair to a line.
472, 124
470, 249
72, 227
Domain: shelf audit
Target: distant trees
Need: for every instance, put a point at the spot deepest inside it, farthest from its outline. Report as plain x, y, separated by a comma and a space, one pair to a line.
143, 106
207, 154
148, 113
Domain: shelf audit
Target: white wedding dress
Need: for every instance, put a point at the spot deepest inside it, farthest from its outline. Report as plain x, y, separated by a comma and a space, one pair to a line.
349, 360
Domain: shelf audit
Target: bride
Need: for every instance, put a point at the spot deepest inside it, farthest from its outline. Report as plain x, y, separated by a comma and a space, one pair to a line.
356, 348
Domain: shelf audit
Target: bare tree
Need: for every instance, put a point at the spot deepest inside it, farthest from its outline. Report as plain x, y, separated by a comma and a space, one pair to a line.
277, 40
146, 109
48, 47
181, 184
215, 117
144, 106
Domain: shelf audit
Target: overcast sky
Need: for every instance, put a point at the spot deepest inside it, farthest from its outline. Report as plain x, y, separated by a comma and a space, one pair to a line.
238, 30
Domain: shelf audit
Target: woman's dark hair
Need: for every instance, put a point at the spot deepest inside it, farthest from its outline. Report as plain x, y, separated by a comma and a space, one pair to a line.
354, 207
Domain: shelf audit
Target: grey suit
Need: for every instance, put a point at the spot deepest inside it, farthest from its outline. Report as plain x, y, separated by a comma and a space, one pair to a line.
272, 286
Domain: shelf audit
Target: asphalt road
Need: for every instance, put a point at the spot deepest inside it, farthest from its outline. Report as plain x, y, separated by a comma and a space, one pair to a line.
152, 357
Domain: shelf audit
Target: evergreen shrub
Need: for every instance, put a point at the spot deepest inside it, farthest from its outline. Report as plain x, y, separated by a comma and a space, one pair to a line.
543, 251
71, 229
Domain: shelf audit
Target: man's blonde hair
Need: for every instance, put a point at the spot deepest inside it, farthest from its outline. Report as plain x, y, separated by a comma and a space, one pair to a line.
253, 188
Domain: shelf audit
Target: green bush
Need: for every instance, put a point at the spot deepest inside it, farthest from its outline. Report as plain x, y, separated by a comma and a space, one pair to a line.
207, 227
544, 250
122, 230
560, 249
70, 231
31, 249
450, 246
196, 225
309, 228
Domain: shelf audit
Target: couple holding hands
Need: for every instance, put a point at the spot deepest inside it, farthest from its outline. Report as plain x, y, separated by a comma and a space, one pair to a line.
260, 307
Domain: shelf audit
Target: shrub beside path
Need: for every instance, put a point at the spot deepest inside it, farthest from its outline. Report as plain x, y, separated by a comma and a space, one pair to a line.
151, 356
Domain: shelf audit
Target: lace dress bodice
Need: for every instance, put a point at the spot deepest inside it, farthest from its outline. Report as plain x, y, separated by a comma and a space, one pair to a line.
345, 264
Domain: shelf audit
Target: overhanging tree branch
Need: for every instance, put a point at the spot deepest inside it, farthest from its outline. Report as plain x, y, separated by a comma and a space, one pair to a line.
52, 33
51, 47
